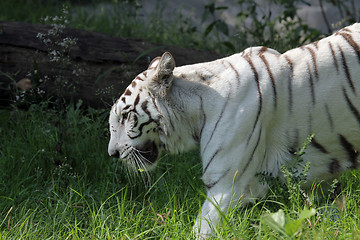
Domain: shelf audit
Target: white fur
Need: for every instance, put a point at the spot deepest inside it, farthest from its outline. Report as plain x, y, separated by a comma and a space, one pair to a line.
217, 107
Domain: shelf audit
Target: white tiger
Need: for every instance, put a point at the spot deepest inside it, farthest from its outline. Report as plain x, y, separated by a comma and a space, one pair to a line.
246, 113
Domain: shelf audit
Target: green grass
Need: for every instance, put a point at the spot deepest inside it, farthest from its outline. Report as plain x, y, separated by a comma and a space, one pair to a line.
57, 182
28, 11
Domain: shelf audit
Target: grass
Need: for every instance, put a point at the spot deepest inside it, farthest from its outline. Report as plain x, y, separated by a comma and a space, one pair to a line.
57, 182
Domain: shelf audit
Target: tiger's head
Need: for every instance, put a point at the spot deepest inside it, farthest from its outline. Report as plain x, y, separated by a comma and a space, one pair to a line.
135, 122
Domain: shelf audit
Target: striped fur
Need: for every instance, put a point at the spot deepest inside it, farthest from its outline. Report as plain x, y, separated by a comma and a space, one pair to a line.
247, 113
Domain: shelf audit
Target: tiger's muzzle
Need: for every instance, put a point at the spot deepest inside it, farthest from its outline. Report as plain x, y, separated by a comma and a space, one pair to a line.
150, 152
147, 153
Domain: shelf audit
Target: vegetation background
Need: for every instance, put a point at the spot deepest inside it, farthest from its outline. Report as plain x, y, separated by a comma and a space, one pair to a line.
57, 181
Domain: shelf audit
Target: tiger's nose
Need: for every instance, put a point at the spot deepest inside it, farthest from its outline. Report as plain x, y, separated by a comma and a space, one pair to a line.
113, 152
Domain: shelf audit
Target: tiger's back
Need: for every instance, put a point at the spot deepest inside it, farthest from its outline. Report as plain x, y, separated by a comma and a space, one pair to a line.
247, 113
322, 92
288, 97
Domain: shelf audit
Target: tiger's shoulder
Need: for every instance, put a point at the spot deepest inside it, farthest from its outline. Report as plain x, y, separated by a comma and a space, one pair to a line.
257, 51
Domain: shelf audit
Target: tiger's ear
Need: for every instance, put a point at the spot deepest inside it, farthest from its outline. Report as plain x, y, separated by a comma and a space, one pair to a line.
163, 75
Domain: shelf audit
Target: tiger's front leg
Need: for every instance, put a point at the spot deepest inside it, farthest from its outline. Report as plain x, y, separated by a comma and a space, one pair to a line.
230, 176
219, 196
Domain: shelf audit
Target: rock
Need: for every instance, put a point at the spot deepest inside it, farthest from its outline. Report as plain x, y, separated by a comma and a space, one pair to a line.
76, 64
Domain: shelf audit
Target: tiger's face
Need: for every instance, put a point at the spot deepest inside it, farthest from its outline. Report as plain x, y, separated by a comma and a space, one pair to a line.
135, 120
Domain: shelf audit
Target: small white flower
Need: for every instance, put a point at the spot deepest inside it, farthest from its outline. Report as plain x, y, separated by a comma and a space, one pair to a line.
51, 32
40, 35
47, 41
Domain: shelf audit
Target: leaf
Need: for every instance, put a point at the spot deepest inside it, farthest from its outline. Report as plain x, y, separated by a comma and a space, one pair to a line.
78, 104
221, 8
306, 213
210, 7
292, 227
278, 217
209, 28
275, 220
229, 45
222, 27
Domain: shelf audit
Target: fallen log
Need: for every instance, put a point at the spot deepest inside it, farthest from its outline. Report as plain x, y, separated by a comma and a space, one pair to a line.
76, 64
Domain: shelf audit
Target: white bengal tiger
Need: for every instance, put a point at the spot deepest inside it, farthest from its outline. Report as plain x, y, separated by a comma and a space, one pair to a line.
247, 113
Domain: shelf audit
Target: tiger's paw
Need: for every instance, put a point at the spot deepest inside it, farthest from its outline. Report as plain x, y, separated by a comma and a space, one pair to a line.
201, 230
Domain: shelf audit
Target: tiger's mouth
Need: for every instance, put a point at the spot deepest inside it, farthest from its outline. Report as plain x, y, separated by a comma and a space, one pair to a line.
150, 152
